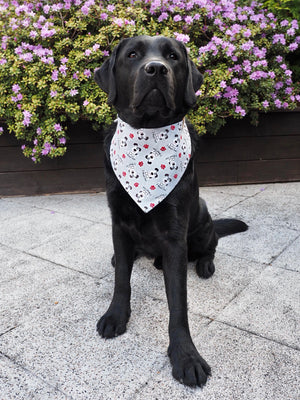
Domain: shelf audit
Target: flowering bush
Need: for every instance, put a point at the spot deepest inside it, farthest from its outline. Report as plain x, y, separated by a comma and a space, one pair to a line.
49, 51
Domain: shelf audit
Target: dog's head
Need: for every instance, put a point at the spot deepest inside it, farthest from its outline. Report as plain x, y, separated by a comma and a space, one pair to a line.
150, 81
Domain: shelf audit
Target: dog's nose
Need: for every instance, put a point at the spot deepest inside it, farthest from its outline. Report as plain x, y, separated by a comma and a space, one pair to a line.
155, 67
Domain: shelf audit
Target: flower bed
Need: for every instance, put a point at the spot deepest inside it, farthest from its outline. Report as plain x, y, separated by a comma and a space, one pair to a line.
49, 52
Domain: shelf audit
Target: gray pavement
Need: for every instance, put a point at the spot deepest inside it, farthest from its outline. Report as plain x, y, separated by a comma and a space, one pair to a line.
56, 281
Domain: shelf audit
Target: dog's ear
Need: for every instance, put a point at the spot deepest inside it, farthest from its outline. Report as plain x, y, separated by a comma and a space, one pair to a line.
194, 81
105, 76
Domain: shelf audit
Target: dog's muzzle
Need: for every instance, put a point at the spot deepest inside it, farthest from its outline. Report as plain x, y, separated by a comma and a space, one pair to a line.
154, 68
154, 87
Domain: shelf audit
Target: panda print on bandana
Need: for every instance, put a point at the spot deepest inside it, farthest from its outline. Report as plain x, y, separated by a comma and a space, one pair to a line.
150, 162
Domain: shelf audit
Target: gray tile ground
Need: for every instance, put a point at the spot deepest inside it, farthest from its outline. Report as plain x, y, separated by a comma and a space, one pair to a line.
56, 281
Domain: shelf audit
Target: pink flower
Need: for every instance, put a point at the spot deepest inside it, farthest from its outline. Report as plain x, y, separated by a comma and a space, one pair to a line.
63, 70
277, 103
181, 37
291, 32
57, 127
87, 73
62, 140
96, 47
85, 10
16, 88
85, 103
188, 20
118, 21
285, 22
54, 76
293, 46
73, 92
265, 104
163, 16
248, 45
27, 116
240, 110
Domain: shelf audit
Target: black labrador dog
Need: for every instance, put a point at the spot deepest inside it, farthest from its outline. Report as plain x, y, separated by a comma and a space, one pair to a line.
152, 83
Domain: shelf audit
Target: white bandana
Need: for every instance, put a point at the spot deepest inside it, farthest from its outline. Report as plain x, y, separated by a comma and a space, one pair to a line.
149, 162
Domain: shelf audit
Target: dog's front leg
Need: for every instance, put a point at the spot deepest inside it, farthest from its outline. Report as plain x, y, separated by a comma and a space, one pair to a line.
188, 366
113, 322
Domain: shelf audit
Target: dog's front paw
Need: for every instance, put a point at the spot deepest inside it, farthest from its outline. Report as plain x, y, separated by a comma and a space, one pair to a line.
205, 268
189, 367
112, 324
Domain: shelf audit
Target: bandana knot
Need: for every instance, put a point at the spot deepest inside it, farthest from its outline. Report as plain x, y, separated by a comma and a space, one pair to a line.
149, 162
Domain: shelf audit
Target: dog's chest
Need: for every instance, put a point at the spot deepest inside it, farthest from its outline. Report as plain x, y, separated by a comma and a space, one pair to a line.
149, 163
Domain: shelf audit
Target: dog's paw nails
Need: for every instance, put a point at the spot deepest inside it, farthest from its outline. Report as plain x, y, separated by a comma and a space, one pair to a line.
189, 368
205, 268
110, 326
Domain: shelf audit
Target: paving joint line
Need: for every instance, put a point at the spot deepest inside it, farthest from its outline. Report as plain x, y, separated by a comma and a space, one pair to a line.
9, 330
285, 248
28, 371
258, 335
65, 266
53, 262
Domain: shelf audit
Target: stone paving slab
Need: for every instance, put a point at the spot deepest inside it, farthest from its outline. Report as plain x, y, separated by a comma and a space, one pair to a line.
205, 297
267, 209
269, 306
244, 367
261, 243
18, 383
38, 227
91, 206
56, 281
289, 258
88, 249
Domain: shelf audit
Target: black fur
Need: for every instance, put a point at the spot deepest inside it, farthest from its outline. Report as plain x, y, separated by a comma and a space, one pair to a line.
152, 83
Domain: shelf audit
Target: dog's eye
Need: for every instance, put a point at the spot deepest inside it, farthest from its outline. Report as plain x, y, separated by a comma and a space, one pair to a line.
173, 56
132, 54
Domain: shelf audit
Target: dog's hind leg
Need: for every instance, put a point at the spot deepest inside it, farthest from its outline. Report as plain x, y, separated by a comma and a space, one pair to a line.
113, 322
202, 242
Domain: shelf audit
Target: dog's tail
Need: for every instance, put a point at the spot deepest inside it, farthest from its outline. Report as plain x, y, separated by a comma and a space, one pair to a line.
225, 227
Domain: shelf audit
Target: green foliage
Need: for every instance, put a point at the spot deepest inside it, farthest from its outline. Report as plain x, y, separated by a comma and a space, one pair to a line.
49, 51
284, 8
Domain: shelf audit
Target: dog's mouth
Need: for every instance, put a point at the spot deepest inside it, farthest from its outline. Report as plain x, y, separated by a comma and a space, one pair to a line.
152, 102
153, 93
154, 98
